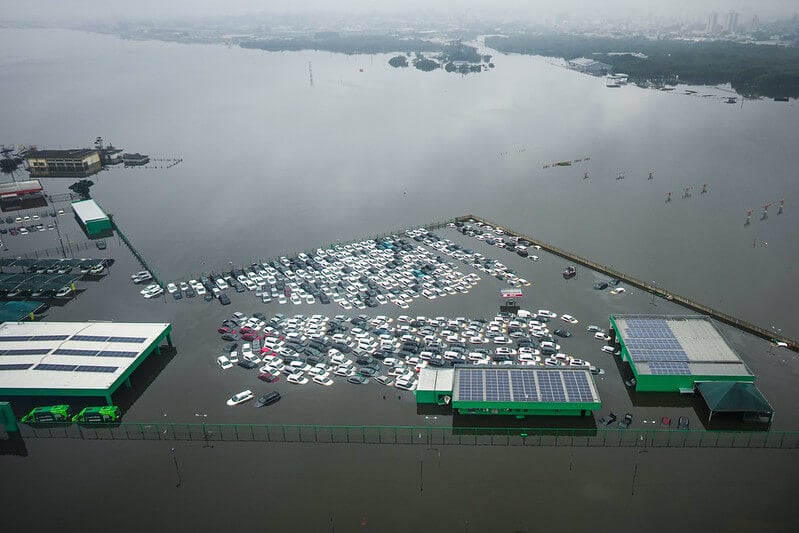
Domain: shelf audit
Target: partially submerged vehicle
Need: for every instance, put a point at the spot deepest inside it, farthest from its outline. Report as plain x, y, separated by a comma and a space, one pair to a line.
49, 414
106, 413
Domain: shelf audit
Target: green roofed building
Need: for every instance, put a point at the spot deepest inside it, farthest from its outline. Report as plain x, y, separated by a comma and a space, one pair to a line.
510, 390
74, 358
675, 353
92, 218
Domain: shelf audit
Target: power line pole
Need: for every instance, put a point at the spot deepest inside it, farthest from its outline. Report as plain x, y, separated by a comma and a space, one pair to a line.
310, 73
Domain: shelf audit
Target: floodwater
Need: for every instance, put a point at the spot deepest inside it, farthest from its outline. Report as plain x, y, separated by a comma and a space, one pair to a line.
272, 165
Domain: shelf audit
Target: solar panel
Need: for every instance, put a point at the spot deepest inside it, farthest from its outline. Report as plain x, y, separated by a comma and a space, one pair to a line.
15, 338
26, 351
94, 368
669, 369
137, 340
652, 340
116, 353
49, 337
523, 385
16, 366
90, 338
61, 368
70, 351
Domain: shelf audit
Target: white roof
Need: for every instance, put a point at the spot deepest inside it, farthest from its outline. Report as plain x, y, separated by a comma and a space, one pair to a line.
100, 354
88, 210
436, 379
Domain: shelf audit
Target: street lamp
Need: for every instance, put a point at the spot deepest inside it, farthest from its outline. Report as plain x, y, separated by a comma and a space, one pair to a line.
655, 284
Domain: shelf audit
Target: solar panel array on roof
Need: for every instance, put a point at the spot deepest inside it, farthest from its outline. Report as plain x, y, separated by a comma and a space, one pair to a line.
76, 368
26, 351
523, 385
93, 353
665, 368
16, 366
652, 340
60, 368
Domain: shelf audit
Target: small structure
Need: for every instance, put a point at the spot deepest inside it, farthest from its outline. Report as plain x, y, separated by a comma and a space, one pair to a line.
91, 217
80, 162
110, 155
133, 160
674, 353
510, 300
736, 397
510, 390
590, 66
14, 193
74, 358
435, 386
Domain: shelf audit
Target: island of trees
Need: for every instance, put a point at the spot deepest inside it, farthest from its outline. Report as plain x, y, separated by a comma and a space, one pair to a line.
453, 57
752, 70
344, 44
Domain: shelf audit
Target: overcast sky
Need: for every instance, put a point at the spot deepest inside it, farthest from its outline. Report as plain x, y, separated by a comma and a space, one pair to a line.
70, 11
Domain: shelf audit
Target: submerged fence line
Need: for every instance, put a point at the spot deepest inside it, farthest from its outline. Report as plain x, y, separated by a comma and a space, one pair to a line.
648, 287
425, 435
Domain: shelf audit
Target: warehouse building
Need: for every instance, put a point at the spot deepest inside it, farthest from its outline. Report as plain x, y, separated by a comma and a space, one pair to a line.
674, 353
510, 390
74, 358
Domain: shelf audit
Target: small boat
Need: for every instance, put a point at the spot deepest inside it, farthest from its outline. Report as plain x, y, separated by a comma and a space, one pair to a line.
569, 272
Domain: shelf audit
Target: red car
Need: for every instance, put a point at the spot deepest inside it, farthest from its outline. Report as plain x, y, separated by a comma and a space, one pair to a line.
225, 329
269, 378
249, 336
267, 351
246, 329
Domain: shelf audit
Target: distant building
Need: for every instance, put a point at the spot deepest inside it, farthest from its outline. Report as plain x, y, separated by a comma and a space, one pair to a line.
63, 163
731, 22
590, 66
712, 23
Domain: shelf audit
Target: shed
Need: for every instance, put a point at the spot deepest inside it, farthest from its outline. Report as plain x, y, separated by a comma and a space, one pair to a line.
92, 218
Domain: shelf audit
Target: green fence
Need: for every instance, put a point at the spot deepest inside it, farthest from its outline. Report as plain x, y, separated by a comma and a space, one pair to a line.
324, 434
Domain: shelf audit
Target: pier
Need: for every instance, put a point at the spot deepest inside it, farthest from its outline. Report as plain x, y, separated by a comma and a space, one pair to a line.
135, 252
743, 325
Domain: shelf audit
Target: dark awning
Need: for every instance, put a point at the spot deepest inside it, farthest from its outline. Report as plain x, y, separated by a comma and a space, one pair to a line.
734, 397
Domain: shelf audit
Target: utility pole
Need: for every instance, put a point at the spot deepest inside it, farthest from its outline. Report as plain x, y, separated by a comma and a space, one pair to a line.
310, 73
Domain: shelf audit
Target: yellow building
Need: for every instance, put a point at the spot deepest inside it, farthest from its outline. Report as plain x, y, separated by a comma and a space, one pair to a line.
63, 163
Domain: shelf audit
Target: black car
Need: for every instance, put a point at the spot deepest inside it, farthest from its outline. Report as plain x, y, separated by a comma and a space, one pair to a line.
683, 423
367, 371
244, 363
365, 360
225, 300
614, 281
190, 293
562, 333
607, 420
324, 299
268, 399
626, 421
601, 286
230, 337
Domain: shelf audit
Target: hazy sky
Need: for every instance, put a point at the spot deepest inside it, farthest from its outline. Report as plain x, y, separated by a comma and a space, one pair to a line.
70, 11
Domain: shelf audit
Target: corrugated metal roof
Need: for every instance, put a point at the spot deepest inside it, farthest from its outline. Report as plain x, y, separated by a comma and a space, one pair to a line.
88, 210
17, 340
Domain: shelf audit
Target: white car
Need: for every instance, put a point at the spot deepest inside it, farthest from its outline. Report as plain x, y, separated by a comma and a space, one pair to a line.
153, 293
405, 383
172, 288
609, 349
600, 335
241, 397
568, 318
221, 284
618, 290
223, 362
344, 372
297, 379
250, 284
323, 379
547, 313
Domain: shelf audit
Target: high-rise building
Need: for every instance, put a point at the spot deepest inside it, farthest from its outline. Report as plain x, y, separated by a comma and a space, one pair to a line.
712, 22
731, 22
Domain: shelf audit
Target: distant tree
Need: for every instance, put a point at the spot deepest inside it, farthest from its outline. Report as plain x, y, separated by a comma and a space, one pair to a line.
9, 165
81, 188
425, 64
398, 61
450, 67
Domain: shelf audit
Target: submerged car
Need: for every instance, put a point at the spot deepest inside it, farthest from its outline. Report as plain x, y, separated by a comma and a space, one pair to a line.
268, 399
241, 397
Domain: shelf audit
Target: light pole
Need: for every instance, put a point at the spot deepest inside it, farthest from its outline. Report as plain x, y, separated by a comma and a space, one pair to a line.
655, 284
